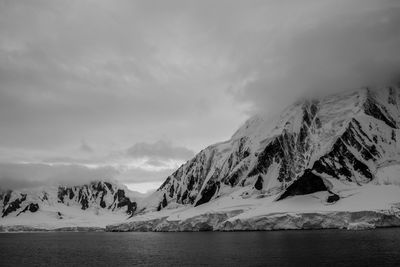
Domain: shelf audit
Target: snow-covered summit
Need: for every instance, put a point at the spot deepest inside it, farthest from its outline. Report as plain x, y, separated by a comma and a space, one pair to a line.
310, 147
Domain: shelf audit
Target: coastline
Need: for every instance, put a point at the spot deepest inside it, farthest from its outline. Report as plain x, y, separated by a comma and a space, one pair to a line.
219, 222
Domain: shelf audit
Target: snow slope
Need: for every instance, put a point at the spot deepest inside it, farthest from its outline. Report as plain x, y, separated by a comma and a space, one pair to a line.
235, 213
93, 205
321, 156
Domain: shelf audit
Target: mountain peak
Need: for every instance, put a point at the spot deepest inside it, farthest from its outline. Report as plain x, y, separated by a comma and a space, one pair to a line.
61, 202
344, 136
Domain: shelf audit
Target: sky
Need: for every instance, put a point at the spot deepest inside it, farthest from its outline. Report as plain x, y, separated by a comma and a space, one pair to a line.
130, 90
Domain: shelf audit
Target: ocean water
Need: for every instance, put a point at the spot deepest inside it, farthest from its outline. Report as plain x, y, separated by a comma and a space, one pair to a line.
282, 248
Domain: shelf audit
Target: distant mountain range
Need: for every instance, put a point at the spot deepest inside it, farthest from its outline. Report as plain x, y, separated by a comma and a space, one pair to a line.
92, 205
332, 162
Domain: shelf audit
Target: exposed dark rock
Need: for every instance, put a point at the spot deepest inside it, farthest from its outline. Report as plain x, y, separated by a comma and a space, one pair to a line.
372, 108
266, 158
171, 191
83, 199
308, 183
340, 160
32, 207
288, 149
62, 191
208, 192
191, 183
102, 191
102, 203
233, 179
14, 205
125, 201
45, 196
259, 183
178, 197
164, 202
332, 198
7, 198
184, 196
70, 193
85, 203
109, 186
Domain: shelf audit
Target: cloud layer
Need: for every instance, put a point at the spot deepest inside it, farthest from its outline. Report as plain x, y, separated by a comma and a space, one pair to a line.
17, 175
81, 81
159, 150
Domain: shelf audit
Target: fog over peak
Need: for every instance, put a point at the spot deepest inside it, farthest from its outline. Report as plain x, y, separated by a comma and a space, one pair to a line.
85, 81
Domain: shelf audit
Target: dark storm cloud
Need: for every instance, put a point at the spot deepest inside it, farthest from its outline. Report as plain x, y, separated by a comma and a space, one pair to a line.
339, 45
159, 150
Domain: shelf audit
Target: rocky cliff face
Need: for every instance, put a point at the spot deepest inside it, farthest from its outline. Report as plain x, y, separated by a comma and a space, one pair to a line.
96, 195
346, 137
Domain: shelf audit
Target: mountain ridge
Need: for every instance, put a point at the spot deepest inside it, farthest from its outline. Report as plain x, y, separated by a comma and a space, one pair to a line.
322, 158
303, 142
334, 154
94, 204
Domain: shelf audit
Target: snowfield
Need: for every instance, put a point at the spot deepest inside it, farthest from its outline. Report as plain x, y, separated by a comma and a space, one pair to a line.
375, 205
72, 217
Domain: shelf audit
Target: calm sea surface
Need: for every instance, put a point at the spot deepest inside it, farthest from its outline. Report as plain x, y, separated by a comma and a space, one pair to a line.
282, 248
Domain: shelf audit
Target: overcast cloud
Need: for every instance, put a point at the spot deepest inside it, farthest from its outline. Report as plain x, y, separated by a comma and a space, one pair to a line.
137, 86
159, 150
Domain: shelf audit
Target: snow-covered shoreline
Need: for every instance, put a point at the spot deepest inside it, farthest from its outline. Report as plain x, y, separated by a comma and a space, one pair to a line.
30, 229
285, 221
221, 222
359, 207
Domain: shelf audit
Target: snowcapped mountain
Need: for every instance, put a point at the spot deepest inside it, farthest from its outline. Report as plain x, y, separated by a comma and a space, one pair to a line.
342, 151
332, 162
95, 204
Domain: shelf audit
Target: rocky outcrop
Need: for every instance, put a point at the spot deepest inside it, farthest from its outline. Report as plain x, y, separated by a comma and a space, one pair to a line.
32, 207
14, 205
102, 194
120, 200
308, 183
